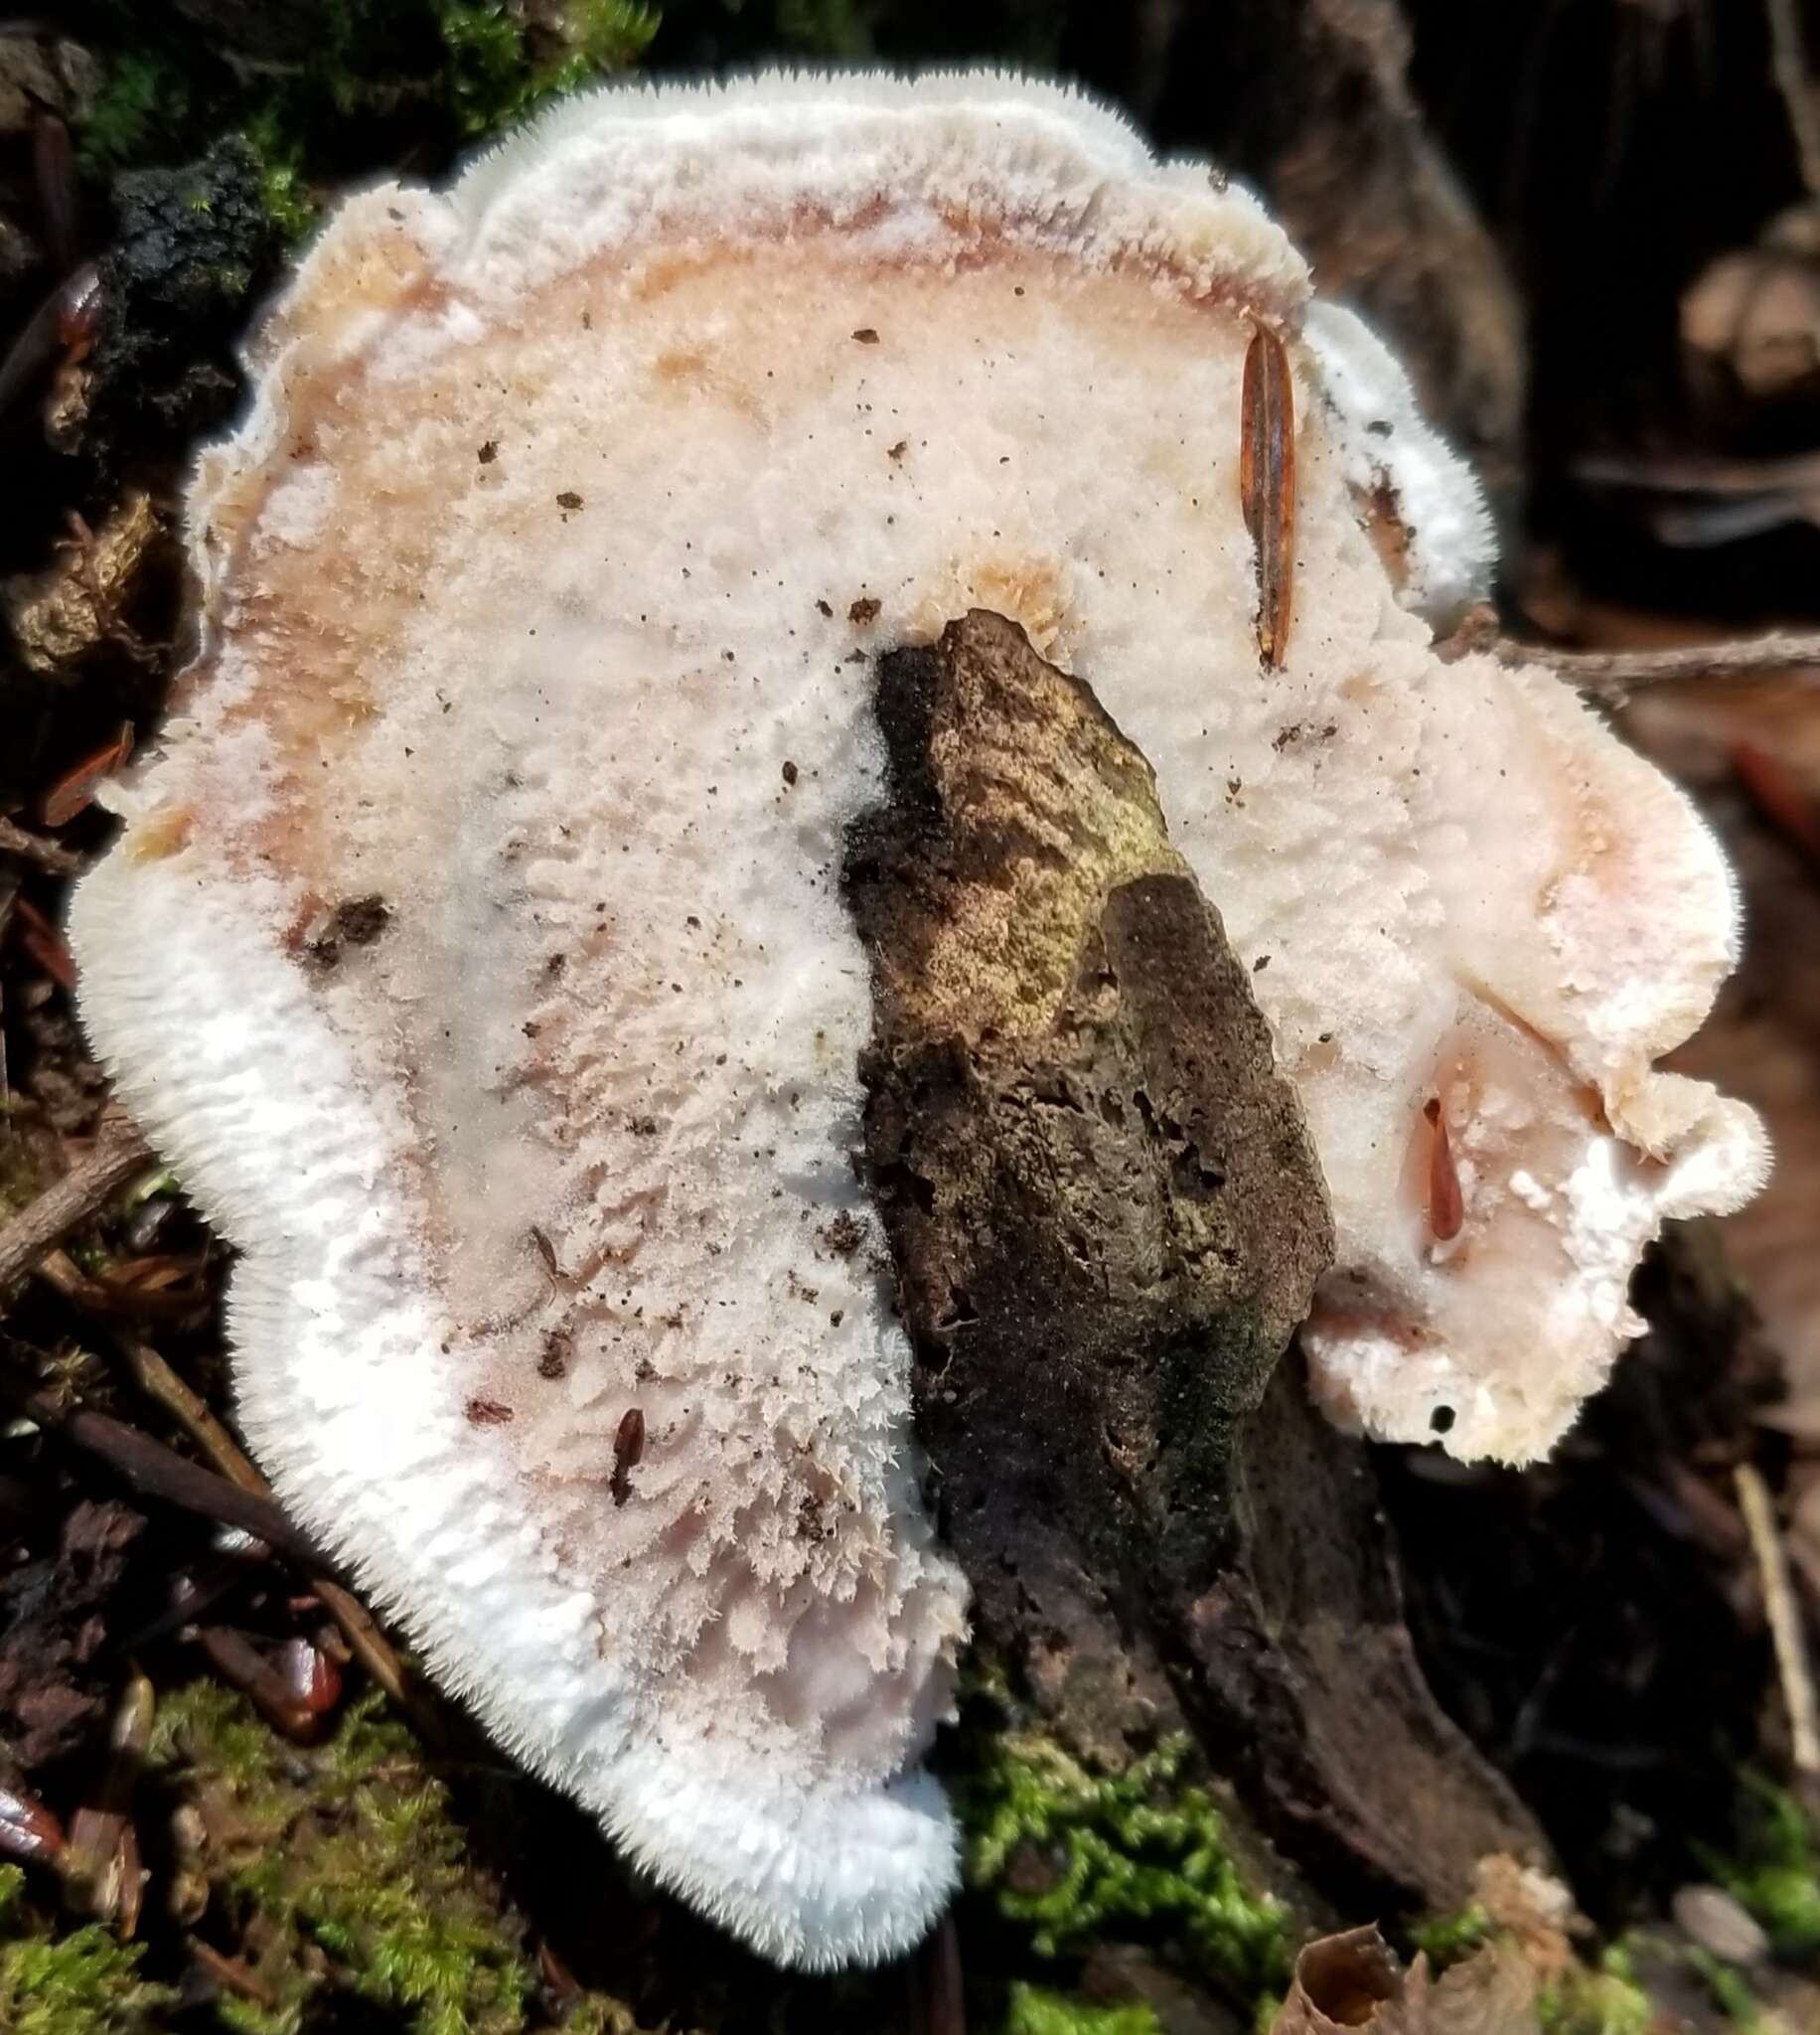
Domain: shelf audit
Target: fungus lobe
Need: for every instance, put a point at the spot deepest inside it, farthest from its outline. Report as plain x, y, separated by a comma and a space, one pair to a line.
575, 1135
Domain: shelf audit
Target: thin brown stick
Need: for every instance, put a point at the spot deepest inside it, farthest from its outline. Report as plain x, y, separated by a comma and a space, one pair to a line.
50, 856
1789, 67
1615, 674
31, 1236
375, 1653
156, 1378
117, 1152
231, 1972
366, 1641
161, 1472
1784, 1617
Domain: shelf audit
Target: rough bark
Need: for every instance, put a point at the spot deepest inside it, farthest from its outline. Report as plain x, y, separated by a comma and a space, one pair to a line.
1107, 1218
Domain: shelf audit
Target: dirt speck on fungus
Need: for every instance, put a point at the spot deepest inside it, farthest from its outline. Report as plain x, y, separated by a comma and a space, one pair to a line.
628, 1447
356, 922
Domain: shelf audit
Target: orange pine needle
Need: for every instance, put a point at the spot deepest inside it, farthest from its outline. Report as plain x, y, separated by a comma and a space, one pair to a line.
1446, 1204
1266, 483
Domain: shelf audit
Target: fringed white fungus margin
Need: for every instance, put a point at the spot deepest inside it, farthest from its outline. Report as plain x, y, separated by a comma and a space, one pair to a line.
475, 945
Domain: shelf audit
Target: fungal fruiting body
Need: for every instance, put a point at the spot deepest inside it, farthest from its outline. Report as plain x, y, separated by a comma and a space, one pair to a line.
475, 943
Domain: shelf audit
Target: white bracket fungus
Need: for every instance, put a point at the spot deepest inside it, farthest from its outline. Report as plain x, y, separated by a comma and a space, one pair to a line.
475, 945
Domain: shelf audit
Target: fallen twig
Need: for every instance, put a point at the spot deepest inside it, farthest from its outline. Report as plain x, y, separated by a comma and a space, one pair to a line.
1615, 674
1788, 67
1784, 1617
232, 1974
295, 1705
367, 1644
50, 856
117, 1152
154, 1376
159, 1471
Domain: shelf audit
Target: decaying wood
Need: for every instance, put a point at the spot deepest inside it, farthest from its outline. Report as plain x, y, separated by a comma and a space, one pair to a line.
1319, 110
1107, 1218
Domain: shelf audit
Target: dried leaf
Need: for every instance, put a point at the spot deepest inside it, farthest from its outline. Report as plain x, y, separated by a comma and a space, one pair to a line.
1353, 1980
1350, 1981
74, 790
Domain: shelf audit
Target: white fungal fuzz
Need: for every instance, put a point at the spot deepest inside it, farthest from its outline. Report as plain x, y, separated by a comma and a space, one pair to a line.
540, 588
1435, 504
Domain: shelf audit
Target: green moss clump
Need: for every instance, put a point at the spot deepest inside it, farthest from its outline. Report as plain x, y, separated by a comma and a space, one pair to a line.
1034, 2010
1733, 1997
84, 1983
1776, 1873
495, 77
1606, 2000
1073, 1858
1446, 1939
340, 1870
395, 73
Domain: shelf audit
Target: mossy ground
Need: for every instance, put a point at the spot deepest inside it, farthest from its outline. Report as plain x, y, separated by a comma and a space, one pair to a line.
376, 79
340, 1870
83, 1982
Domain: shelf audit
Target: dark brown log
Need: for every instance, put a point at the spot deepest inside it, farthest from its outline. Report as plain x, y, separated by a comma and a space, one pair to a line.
1107, 1218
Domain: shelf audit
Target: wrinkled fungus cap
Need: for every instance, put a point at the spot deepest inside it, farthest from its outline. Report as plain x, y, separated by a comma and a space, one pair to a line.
475, 945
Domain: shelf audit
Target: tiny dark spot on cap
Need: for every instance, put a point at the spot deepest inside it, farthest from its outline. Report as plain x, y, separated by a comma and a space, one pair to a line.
568, 499
862, 612
488, 1413
488, 452
866, 336
1440, 1420
824, 608
790, 773
559, 1345
1261, 964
